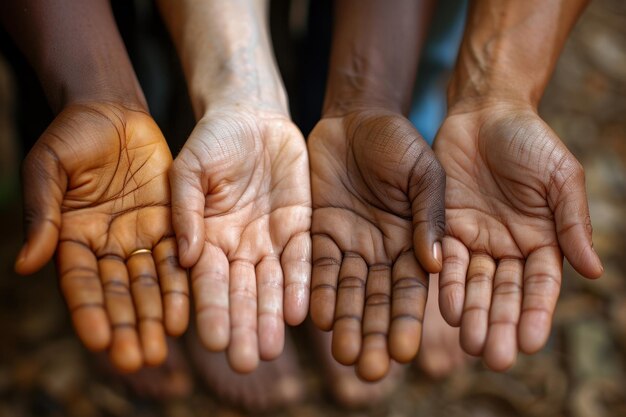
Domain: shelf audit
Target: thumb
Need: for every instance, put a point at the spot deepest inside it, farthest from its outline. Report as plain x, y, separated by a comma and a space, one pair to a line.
427, 195
568, 200
43, 186
188, 202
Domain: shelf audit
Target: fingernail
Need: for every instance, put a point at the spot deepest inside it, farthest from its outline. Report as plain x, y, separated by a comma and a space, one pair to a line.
437, 252
183, 245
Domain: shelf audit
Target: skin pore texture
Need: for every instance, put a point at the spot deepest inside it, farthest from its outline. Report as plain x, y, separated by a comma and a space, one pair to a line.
240, 185
378, 191
515, 196
96, 188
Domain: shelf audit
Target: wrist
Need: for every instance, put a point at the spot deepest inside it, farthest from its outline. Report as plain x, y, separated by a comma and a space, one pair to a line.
481, 79
227, 92
349, 92
99, 88
490, 105
93, 75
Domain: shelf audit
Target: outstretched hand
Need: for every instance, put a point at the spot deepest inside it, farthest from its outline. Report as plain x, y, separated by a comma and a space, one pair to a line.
378, 213
515, 203
95, 190
242, 213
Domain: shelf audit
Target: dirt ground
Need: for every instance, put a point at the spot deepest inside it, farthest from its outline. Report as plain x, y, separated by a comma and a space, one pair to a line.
44, 371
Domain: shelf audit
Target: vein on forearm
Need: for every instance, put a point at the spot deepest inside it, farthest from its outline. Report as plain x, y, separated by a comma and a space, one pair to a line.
510, 48
226, 53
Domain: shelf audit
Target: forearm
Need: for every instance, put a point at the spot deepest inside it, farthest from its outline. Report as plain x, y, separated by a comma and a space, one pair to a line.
226, 53
75, 48
374, 56
510, 49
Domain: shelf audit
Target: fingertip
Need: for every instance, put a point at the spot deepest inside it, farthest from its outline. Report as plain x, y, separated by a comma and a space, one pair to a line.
534, 330
176, 318
271, 334
176, 326
38, 249
373, 365
243, 355
125, 353
428, 255
92, 327
596, 269
296, 304
21, 264
153, 343
214, 333
404, 340
501, 348
189, 250
473, 332
451, 305
346, 343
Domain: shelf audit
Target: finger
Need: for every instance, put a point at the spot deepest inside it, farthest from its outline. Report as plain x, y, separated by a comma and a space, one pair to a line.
542, 284
209, 280
452, 280
125, 352
82, 290
270, 311
349, 309
243, 351
174, 287
43, 183
188, 200
326, 266
479, 288
296, 264
501, 346
427, 186
373, 361
144, 287
568, 200
408, 302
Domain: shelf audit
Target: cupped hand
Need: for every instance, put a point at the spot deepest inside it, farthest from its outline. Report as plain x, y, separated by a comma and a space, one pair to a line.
242, 214
515, 202
96, 190
378, 218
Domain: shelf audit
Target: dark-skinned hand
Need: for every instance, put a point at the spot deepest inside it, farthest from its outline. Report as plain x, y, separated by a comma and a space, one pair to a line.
378, 211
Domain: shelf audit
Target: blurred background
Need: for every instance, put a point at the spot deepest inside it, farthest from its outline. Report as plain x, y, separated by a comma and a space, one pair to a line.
44, 371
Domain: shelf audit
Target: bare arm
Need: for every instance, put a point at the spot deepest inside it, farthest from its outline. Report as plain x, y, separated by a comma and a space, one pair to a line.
226, 53
510, 48
374, 56
75, 49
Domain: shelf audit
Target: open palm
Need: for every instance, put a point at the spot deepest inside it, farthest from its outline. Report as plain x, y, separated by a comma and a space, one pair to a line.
96, 190
515, 201
377, 212
242, 212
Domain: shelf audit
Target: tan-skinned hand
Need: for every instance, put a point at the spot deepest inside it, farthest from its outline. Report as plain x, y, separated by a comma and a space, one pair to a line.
96, 190
515, 203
